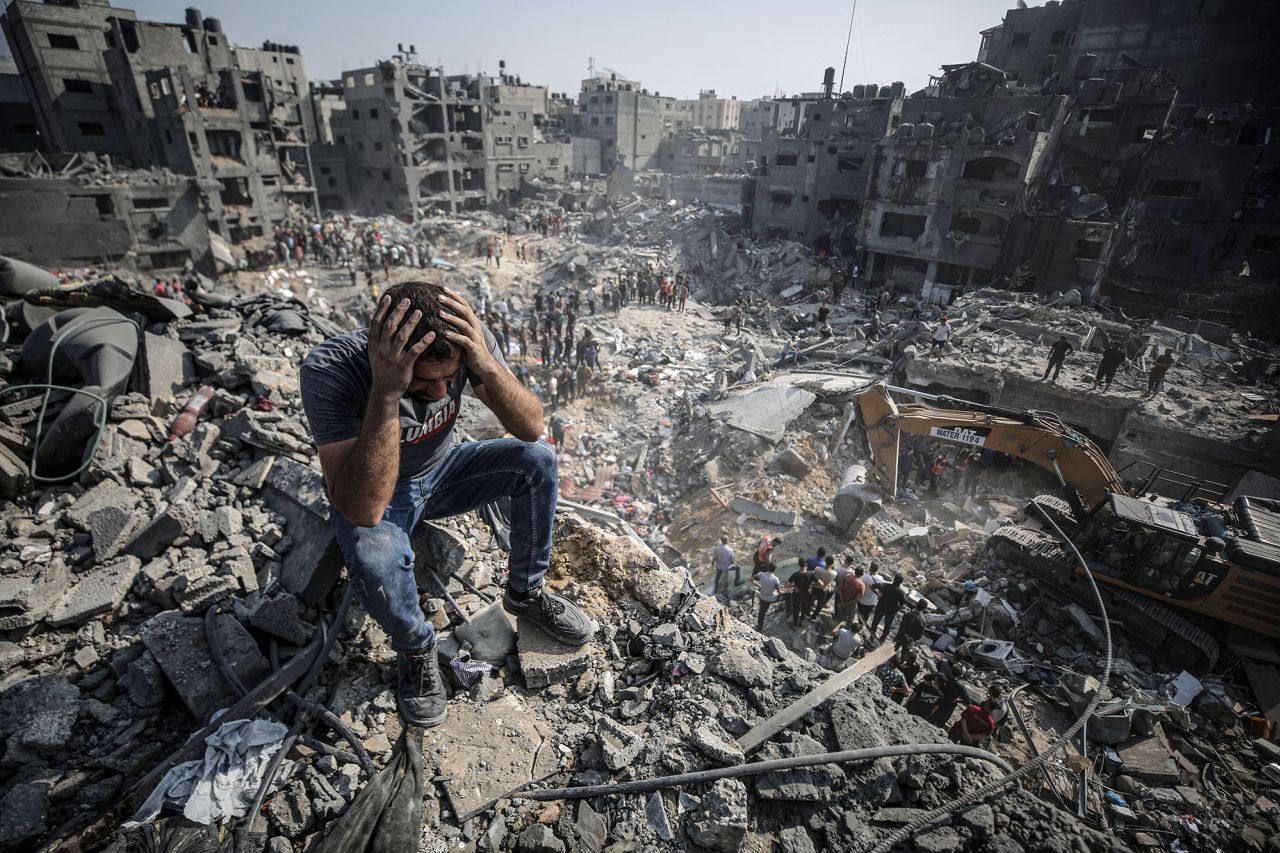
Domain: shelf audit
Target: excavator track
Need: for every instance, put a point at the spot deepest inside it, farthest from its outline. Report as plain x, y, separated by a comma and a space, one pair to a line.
1055, 507
1170, 635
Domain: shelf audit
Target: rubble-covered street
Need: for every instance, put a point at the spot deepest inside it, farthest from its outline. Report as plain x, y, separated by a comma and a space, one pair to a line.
917, 503
115, 587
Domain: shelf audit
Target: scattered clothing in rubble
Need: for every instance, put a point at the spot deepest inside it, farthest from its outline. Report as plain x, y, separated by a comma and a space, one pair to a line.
224, 783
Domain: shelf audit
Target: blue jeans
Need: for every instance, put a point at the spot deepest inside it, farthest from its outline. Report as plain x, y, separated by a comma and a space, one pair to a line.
380, 560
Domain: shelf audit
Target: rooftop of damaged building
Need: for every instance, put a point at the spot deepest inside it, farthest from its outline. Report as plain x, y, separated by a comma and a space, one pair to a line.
1219, 402
120, 591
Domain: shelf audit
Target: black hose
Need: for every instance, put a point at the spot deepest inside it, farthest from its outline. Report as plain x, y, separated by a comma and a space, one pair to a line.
303, 705
644, 786
326, 643
962, 802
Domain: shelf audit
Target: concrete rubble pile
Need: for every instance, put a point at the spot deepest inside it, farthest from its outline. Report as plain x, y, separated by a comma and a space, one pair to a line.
119, 592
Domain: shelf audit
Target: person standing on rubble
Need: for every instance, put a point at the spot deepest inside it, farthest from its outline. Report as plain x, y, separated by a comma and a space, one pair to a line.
941, 334
684, 291
800, 600
1155, 379
911, 628
722, 560
824, 585
1057, 356
764, 551
555, 426
1112, 358
892, 597
381, 404
848, 589
767, 585
974, 726
870, 598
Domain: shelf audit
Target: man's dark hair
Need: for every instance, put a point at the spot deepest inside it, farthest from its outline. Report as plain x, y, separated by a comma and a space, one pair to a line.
822, 552
425, 297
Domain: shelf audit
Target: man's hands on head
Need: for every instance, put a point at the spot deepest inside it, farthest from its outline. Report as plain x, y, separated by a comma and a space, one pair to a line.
391, 358
467, 334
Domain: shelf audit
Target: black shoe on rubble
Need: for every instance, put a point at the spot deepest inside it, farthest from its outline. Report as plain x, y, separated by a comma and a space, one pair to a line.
558, 616
420, 695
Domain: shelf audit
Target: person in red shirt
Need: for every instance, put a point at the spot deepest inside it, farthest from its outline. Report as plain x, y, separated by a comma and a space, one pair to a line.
975, 724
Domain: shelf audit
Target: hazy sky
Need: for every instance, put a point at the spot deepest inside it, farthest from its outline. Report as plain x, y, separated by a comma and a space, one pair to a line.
747, 48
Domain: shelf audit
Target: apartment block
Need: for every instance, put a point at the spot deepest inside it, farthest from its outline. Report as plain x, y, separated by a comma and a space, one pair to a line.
418, 140
709, 112
629, 121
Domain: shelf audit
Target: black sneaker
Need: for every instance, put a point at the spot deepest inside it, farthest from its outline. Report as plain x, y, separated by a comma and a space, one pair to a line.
420, 695
558, 616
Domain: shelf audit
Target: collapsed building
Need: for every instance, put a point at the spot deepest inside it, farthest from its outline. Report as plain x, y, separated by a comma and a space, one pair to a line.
1089, 146
176, 97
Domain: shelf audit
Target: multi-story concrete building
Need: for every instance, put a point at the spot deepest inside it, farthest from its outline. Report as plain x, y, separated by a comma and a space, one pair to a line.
693, 151
1174, 102
628, 120
172, 96
811, 184
419, 140
60, 49
712, 113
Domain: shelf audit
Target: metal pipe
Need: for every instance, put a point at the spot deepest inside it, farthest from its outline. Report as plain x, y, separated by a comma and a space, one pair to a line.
643, 786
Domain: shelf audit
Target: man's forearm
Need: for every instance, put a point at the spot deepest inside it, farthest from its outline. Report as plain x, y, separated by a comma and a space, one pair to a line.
364, 486
517, 407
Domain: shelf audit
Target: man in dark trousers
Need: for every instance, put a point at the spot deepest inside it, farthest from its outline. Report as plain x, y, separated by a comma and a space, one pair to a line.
1112, 358
801, 589
381, 404
1057, 355
1155, 379
892, 597
911, 628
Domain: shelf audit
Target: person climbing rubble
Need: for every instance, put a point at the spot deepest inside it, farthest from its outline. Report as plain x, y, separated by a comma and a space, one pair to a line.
941, 334
381, 404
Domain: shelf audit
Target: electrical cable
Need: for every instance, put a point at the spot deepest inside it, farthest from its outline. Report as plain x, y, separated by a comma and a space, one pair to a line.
983, 791
644, 786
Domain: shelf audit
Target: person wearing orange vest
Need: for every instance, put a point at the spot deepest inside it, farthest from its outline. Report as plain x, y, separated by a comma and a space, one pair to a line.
764, 551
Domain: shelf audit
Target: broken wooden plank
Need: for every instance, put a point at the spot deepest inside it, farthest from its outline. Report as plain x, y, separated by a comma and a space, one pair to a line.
814, 698
1265, 681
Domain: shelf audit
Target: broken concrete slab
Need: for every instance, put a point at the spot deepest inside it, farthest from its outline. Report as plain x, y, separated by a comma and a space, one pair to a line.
761, 512
310, 568
1086, 624
108, 493
279, 617
178, 643
40, 711
545, 660
163, 368
765, 410
439, 549
1150, 758
23, 812
101, 590
486, 751
176, 519
27, 597
720, 823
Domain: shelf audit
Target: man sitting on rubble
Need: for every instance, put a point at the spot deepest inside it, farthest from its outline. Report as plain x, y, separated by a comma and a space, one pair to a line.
382, 404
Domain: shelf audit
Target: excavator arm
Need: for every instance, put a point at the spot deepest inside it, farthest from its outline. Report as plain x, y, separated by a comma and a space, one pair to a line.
1040, 438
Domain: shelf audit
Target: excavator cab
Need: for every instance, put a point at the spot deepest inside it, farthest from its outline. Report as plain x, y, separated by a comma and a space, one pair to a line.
1143, 544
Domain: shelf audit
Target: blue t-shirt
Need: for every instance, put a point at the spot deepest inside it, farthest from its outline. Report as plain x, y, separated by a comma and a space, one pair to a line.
336, 379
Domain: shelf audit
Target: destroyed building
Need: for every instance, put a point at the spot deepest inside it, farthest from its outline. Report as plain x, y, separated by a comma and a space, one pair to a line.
419, 140
1090, 147
170, 98
629, 121
186, 663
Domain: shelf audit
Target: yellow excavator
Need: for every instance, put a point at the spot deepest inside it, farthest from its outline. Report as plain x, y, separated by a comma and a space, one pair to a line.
1175, 562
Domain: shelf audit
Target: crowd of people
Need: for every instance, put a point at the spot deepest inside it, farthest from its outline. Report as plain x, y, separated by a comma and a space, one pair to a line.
862, 609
